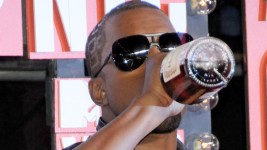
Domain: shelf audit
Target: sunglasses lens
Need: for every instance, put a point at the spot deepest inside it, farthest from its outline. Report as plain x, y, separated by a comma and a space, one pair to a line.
129, 53
169, 41
186, 38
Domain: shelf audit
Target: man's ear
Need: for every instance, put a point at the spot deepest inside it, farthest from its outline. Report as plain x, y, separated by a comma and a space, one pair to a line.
97, 91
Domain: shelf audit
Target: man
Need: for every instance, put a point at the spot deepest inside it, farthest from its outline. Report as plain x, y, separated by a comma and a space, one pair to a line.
136, 111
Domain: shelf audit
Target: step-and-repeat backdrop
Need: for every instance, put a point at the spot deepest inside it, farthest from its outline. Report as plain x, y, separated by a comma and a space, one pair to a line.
57, 29
256, 47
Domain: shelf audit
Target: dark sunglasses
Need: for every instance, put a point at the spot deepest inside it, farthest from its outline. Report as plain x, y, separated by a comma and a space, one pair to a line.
129, 53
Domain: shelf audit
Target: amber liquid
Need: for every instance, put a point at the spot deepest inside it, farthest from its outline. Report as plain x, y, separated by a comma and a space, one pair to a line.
183, 89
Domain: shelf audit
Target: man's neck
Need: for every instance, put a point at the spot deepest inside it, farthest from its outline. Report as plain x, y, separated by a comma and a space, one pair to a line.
167, 141
158, 142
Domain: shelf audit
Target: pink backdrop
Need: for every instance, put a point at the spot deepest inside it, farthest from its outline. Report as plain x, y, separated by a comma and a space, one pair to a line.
11, 40
256, 34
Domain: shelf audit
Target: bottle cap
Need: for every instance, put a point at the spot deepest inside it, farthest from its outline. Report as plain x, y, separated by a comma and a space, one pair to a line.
210, 62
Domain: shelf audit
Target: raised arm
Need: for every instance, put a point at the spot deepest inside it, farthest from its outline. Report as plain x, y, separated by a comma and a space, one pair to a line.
146, 112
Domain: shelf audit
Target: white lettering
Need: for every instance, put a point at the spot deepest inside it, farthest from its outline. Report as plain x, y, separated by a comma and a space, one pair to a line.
83, 109
1, 3
74, 21
44, 25
154, 2
177, 15
67, 141
73, 15
110, 4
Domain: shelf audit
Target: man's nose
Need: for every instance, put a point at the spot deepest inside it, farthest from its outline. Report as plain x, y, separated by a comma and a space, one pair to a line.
154, 49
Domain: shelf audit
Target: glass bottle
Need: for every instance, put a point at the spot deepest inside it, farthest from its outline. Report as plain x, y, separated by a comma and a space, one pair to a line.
197, 70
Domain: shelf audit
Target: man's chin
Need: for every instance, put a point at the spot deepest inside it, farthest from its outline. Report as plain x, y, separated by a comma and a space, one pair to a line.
168, 125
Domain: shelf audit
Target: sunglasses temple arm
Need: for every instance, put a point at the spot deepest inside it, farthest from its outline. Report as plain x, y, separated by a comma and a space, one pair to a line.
105, 62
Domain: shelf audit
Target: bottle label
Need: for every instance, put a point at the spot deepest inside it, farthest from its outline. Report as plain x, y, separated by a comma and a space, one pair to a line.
170, 66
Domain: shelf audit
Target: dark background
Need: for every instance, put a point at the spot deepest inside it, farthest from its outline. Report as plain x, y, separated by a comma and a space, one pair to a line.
229, 117
23, 114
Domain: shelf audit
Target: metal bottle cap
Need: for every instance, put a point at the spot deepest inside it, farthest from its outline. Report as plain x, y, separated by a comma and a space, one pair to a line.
210, 62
